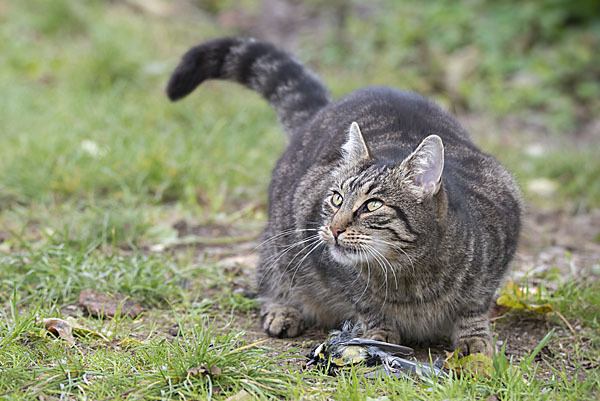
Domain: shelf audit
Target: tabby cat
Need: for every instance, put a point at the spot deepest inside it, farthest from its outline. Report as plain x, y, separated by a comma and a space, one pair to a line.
381, 210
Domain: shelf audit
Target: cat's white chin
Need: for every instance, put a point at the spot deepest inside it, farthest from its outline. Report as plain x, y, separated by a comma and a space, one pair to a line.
346, 256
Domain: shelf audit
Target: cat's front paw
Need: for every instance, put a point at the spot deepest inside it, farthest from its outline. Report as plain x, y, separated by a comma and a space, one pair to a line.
282, 321
475, 345
382, 335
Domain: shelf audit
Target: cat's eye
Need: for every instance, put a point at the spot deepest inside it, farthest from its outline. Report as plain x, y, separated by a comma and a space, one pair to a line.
336, 199
373, 205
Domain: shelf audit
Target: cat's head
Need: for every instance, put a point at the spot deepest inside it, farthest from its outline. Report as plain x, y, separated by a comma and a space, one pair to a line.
381, 212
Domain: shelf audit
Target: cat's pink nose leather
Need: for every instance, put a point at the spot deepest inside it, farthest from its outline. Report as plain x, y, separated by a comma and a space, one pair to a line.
335, 231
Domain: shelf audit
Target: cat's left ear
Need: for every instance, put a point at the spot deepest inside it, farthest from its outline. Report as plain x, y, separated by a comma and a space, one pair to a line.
355, 149
424, 167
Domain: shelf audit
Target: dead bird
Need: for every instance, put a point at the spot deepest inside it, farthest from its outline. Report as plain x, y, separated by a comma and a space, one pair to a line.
344, 349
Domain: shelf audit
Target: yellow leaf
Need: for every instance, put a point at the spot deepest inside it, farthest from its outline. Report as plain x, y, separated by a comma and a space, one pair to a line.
512, 301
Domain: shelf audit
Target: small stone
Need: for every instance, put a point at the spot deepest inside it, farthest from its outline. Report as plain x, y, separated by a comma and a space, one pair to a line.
174, 330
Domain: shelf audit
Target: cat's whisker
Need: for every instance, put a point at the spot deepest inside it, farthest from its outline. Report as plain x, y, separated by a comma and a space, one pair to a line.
382, 261
382, 265
362, 253
311, 241
270, 262
283, 234
321, 256
398, 248
389, 264
297, 267
372, 251
287, 248
360, 264
277, 255
368, 279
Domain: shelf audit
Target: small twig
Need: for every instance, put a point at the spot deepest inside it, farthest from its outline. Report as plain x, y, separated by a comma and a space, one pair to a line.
245, 347
565, 321
493, 319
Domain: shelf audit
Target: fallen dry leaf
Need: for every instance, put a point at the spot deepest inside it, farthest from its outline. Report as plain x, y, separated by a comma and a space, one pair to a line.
197, 371
202, 371
60, 328
103, 305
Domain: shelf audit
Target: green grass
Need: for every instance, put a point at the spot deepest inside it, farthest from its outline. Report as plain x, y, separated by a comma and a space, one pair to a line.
84, 115
154, 368
155, 364
96, 166
159, 366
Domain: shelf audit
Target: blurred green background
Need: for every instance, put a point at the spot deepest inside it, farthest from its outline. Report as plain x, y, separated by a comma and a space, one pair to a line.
91, 148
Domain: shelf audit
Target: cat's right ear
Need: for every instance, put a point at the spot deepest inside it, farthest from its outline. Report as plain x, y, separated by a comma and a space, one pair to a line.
355, 149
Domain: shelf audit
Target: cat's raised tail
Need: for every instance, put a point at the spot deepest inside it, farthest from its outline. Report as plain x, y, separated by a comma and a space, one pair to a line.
295, 92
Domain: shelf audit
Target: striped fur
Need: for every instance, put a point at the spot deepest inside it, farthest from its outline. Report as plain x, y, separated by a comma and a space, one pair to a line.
295, 92
381, 209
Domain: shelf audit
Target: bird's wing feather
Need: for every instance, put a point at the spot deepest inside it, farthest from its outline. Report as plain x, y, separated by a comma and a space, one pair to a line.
387, 347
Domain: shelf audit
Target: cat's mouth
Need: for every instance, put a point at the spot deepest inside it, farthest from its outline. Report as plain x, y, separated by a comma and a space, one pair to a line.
345, 254
341, 251
345, 248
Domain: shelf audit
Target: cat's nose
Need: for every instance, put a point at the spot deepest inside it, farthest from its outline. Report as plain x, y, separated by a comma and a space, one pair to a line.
336, 231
